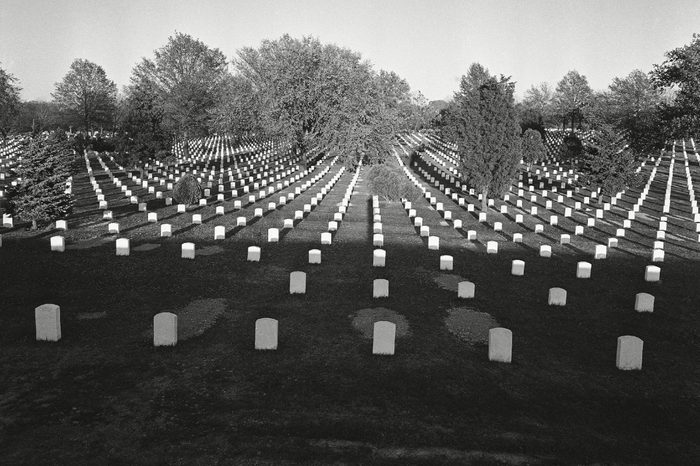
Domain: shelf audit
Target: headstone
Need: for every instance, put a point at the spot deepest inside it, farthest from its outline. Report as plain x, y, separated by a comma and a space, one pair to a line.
196, 219
219, 232
61, 225
165, 329
253, 254
47, 319
492, 247
500, 345
122, 246
297, 282
166, 230
545, 250
266, 334
446, 262
273, 235
517, 237
58, 243
326, 238
241, 221
188, 250
657, 255
181, 208
644, 302
565, 238
601, 251
583, 270
517, 267
379, 258
465, 289
434, 243
384, 338
378, 240
629, 353
314, 256
380, 288
652, 273
557, 297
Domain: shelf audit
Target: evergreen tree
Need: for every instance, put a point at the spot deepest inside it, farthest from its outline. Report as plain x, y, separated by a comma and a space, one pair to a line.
487, 132
533, 147
40, 195
609, 162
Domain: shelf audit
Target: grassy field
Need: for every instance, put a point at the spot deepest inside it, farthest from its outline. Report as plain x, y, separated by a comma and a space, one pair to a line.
105, 395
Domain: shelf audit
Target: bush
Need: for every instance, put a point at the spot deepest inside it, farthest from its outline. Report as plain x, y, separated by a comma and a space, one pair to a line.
391, 184
571, 148
187, 191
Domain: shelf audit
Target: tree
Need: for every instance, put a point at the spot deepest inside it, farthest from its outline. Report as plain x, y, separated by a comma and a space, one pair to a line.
609, 163
87, 94
536, 110
487, 132
681, 71
322, 98
46, 166
533, 147
236, 110
9, 101
184, 77
572, 96
37, 116
632, 106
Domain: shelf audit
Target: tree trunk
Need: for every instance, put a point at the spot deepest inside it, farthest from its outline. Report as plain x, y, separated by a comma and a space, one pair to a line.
484, 199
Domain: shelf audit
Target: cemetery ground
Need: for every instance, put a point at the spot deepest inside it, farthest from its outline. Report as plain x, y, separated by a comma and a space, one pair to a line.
104, 394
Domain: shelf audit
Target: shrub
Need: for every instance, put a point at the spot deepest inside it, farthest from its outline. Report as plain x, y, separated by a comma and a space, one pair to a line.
390, 183
187, 190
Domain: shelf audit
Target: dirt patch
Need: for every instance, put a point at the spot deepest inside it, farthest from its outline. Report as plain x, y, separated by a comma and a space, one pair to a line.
209, 251
364, 319
268, 273
446, 281
146, 247
470, 325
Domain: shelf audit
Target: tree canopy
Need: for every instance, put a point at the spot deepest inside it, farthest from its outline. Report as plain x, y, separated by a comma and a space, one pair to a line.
484, 123
9, 101
87, 94
572, 97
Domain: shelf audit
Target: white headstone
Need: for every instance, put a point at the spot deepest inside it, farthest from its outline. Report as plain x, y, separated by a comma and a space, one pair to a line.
583, 270
465, 289
434, 243
253, 254
196, 219
629, 353
384, 338
378, 240
297, 282
188, 250
644, 302
446, 262
61, 225
380, 288
58, 243
266, 334
379, 258
165, 329
166, 230
47, 319
326, 238
273, 235
652, 273
314, 256
557, 297
517, 267
601, 251
122, 246
219, 232
545, 250
492, 247
500, 345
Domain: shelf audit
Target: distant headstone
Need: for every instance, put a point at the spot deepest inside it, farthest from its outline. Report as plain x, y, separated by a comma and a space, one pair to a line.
500, 345
465, 289
188, 250
297, 282
583, 270
380, 288
166, 230
314, 256
165, 329
379, 258
58, 243
446, 262
219, 232
384, 338
266, 334
629, 353
122, 246
652, 273
273, 235
492, 247
644, 302
434, 243
47, 319
253, 254
557, 297
517, 267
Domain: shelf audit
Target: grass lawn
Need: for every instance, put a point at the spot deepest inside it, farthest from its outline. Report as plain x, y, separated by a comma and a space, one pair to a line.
105, 395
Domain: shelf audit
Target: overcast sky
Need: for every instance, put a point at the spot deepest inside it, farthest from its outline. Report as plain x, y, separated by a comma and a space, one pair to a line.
429, 43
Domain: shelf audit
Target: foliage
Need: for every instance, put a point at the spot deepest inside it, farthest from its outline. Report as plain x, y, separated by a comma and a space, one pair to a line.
631, 105
85, 92
533, 147
37, 116
681, 71
46, 166
187, 190
570, 149
609, 162
536, 110
390, 183
323, 98
9, 101
484, 124
179, 87
571, 98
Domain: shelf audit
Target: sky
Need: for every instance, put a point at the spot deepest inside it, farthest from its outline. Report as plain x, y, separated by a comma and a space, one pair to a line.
429, 43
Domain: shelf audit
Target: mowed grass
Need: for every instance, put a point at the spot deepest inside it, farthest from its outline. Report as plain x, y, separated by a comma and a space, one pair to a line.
105, 395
